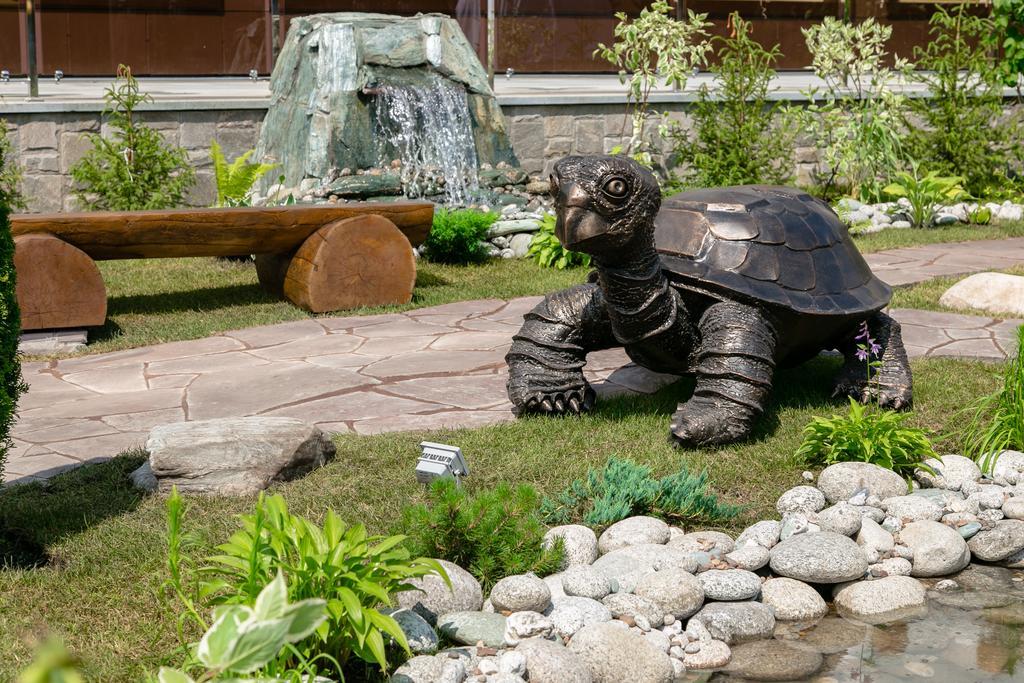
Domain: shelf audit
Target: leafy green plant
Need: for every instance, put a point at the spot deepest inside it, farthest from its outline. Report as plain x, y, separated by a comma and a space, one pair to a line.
1008, 18
924, 193
979, 215
547, 251
247, 639
492, 533
235, 180
622, 489
10, 173
962, 129
652, 49
134, 168
457, 236
737, 136
353, 572
866, 435
856, 120
52, 664
11, 384
996, 422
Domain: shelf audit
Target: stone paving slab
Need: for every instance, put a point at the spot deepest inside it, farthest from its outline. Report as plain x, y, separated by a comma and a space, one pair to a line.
424, 369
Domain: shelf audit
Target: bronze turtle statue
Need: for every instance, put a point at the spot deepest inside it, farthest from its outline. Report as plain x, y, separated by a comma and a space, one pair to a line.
726, 284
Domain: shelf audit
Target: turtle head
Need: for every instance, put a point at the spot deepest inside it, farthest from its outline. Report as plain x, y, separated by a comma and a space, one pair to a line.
605, 204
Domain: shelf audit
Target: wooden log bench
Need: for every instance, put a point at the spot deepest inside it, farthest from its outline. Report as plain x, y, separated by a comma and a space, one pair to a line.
322, 258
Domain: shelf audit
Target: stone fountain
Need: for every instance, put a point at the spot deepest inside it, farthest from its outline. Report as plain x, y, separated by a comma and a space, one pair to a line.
374, 104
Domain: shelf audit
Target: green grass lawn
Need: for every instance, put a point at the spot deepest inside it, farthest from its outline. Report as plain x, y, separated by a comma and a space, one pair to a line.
161, 300
100, 591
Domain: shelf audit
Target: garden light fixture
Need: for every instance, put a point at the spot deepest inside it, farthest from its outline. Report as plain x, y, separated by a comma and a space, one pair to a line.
439, 461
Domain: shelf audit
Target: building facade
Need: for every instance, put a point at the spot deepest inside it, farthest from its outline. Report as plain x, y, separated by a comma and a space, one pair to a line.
234, 37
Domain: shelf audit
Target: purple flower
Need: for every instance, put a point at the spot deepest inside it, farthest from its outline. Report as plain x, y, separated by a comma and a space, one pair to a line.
862, 353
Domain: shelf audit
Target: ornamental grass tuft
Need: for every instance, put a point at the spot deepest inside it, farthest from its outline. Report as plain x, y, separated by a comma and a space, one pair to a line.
996, 422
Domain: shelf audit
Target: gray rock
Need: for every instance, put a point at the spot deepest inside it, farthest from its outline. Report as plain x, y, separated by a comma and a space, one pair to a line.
512, 664
842, 518
503, 228
879, 600
676, 592
365, 186
873, 537
794, 523
432, 596
824, 557
549, 662
520, 626
800, 499
234, 456
772, 660
583, 581
840, 481
891, 566
1014, 508
633, 531
737, 622
969, 530
418, 633
945, 219
793, 600
580, 543
729, 584
1000, 542
903, 225
704, 541
427, 669
470, 628
522, 593
951, 471
554, 582
765, 533
614, 655
912, 509
938, 549
750, 557
1009, 465
713, 654
520, 244
628, 565
569, 614
631, 605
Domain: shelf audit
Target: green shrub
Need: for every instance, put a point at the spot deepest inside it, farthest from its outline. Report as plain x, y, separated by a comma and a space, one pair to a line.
651, 49
458, 235
962, 129
11, 384
866, 434
247, 639
493, 533
996, 422
737, 136
10, 173
623, 489
135, 168
547, 251
355, 573
1008, 17
856, 121
235, 180
924, 193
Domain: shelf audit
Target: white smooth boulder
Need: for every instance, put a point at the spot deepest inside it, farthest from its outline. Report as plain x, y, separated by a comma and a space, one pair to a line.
990, 292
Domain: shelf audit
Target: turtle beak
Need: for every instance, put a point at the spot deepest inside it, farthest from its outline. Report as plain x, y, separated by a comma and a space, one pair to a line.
577, 223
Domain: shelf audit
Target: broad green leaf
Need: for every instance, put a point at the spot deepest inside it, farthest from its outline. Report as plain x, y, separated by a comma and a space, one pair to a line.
216, 645
173, 676
257, 644
272, 600
304, 618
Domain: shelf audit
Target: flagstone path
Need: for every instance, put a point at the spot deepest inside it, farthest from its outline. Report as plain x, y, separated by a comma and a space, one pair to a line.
429, 368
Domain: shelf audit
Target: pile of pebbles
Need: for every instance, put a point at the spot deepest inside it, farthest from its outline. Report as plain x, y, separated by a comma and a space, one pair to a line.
868, 218
648, 602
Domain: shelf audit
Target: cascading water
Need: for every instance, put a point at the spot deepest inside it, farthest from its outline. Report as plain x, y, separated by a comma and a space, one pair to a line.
428, 127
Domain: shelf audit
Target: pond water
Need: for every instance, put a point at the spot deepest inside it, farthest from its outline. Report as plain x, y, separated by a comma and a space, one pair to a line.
974, 633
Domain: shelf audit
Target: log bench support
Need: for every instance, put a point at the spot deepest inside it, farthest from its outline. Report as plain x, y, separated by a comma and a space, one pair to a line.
321, 259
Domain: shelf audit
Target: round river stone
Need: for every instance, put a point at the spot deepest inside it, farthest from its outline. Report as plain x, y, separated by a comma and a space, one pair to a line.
840, 481
822, 557
614, 654
772, 660
938, 549
793, 600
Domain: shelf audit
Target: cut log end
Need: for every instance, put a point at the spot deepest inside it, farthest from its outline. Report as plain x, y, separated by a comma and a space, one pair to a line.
352, 263
58, 286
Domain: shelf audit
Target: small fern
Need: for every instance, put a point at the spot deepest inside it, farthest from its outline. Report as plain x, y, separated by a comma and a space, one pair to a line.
546, 250
235, 180
623, 489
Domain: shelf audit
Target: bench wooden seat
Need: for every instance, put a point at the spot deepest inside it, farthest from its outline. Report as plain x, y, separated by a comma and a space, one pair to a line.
322, 258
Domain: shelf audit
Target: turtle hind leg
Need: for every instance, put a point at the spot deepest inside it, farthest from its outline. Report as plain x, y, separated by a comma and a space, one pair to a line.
734, 366
548, 353
890, 383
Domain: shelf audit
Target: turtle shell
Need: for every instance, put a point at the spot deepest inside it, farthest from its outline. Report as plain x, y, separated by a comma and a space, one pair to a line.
775, 245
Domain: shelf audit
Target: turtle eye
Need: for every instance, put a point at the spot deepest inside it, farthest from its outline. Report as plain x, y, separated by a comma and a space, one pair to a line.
616, 188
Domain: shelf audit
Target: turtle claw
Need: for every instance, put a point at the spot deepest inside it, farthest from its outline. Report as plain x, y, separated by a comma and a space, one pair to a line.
700, 423
571, 402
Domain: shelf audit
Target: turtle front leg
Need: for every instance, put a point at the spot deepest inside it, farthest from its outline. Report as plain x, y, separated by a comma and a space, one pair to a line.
891, 383
734, 366
545, 362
